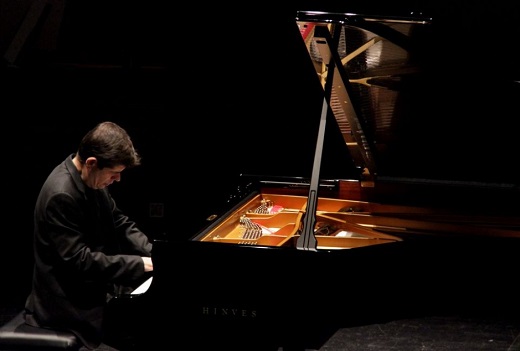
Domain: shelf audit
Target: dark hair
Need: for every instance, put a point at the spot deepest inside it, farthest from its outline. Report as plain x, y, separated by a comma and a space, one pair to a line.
110, 145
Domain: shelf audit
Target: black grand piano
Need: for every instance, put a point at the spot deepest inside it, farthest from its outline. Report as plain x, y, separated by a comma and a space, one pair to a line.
426, 219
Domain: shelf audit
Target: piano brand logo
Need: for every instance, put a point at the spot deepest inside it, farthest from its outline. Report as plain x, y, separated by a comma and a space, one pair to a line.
228, 312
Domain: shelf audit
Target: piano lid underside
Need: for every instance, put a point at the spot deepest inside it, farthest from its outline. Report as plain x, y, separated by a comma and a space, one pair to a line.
424, 114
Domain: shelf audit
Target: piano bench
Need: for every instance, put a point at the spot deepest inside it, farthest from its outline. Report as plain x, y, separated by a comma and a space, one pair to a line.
16, 335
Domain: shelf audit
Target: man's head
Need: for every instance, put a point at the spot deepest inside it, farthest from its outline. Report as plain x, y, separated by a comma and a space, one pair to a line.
110, 145
104, 152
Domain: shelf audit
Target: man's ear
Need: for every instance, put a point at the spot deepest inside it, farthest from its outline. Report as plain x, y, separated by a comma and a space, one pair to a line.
91, 161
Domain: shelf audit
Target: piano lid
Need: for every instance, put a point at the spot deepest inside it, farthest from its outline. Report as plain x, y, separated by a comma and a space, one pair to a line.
408, 102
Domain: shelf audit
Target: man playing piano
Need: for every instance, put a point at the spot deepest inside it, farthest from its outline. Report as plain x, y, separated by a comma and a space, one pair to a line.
85, 248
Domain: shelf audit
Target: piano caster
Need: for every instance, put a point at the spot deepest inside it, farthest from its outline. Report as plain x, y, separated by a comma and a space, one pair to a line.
16, 335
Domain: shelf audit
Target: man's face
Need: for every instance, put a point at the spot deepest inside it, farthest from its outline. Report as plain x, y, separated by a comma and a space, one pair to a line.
101, 178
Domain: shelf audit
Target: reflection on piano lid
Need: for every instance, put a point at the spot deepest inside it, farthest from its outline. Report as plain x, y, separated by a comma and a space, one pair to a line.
402, 112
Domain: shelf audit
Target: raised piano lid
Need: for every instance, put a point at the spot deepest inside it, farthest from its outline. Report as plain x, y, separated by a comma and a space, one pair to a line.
409, 102
369, 63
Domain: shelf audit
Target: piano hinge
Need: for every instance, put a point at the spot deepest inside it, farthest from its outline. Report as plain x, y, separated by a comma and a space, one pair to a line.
367, 179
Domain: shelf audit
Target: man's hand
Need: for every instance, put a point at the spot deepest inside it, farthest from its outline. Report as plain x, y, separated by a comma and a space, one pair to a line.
148, 264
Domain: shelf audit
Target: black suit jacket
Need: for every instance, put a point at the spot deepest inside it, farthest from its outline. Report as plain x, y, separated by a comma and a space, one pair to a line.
83, 246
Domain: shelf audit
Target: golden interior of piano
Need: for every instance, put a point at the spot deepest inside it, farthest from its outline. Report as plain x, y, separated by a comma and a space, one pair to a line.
276, 220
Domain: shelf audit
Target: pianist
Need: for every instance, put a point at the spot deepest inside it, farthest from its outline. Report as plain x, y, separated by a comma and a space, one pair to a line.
85, 248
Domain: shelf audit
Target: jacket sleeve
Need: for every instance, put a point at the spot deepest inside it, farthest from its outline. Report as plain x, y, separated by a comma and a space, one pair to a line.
131, 239
82, 251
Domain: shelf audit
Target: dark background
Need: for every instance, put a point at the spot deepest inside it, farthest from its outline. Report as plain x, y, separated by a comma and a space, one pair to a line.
207, 92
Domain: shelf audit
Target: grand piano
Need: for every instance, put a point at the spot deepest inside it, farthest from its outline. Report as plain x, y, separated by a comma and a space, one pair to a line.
426, 218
